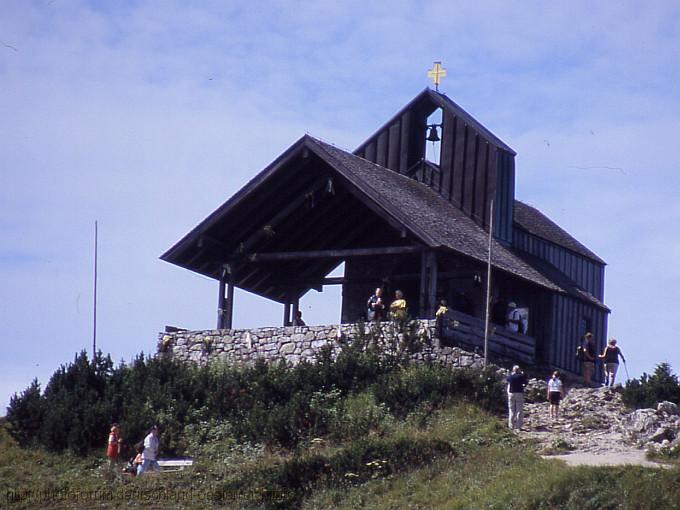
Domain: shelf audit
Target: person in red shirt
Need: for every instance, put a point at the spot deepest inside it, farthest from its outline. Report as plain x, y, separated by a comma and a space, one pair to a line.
113, 447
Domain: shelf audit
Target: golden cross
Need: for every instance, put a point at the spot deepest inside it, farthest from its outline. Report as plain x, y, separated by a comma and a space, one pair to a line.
436, 74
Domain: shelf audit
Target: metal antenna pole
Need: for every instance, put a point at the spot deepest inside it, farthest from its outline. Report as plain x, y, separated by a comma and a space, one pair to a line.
488, 288
94, 315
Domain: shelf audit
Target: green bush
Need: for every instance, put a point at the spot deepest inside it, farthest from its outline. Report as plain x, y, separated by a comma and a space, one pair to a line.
358, 415
651, 389
404, 390
264, 403
25, 415
361, 460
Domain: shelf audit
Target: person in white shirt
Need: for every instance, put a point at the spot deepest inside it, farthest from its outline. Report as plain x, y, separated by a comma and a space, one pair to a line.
513, 318
150, 455
555, 394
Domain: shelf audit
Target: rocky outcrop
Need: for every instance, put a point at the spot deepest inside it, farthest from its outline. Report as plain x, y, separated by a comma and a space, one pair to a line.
595, 420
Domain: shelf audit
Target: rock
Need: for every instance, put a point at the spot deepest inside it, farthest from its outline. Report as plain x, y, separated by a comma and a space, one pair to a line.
536, 391
465, 361
642, 420
669, 408
288, 348
662, 434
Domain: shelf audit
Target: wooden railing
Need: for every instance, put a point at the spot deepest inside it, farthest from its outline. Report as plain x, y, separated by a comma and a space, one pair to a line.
459, 329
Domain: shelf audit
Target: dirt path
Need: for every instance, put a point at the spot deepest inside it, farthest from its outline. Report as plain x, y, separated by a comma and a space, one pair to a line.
592, 430
633, 457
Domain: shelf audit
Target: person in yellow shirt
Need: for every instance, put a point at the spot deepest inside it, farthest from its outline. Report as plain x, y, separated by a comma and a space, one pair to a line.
398, 307
442, 310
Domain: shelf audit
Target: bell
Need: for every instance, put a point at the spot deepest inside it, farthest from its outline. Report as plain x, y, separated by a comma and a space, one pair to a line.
433, 136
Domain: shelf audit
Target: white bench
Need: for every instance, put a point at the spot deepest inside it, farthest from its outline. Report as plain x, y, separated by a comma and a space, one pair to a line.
168, 466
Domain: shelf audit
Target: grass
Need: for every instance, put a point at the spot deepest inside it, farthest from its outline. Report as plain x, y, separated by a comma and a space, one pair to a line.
453, 457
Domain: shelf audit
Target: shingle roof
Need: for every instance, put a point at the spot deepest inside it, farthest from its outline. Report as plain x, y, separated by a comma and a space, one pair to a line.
438, 223
424, 213
535, 222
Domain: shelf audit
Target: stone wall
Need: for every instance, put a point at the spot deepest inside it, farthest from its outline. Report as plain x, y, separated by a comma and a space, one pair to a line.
295, 344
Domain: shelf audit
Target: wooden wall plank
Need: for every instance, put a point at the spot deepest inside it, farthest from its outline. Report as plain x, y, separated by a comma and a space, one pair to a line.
381, 152
456, 196
447, 152
394, 142
370, 152
470, 167
481, 207
492, 164
404, 141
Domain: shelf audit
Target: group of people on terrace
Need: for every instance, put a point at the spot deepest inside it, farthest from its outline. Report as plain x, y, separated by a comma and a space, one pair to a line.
378, 309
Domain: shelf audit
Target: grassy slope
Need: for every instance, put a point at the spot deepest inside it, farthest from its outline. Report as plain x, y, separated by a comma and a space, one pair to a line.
480, 466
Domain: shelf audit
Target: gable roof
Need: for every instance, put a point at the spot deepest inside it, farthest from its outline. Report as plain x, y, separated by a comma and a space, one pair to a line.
535, 222
439, 224
427, 217
445, 103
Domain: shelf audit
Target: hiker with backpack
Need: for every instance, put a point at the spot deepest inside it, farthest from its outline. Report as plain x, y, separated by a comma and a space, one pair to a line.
610, 356
587, 355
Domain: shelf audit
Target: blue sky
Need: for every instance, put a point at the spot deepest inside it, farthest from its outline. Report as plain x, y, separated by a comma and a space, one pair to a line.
146, 116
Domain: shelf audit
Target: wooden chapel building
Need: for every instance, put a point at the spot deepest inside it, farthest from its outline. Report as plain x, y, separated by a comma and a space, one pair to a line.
400, 221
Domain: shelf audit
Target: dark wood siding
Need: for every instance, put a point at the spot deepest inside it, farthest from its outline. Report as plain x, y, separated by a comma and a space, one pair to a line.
458, 168
393, 146
447, 153
505, 196
480, 209
586, 273
473, 169
403, 142
381, 155
569, 319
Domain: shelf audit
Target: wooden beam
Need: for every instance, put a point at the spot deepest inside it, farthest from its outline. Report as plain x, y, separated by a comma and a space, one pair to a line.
422, 295
282, 214
220, 302
286, 313
432, 285
322, 254
296, 308
229, 312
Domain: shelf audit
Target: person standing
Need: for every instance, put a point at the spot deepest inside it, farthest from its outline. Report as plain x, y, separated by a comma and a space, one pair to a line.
151, 445
113, 448
589, 357
398, 307
513, 320
297, 321
517, 381
610, 356
376, 306
442, 310
555, 394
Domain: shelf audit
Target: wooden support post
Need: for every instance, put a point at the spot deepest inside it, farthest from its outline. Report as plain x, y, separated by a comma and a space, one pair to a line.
286, 313
229, 312
220, 301
432, 285
296, 308
422, 300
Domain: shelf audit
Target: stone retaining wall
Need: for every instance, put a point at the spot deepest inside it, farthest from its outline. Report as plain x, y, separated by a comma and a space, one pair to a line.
295, 344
